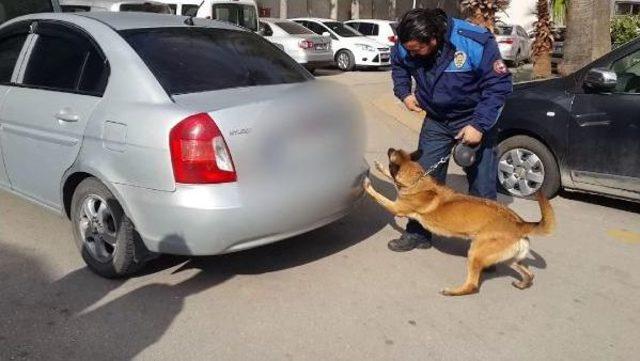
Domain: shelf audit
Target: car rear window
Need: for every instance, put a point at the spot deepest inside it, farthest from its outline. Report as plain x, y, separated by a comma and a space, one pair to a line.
341, 29
394, 27
293, 28
192, 59
503, 30
147, 8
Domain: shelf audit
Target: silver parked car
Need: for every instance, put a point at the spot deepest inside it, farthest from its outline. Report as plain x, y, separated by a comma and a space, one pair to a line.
156, 136
303, 45
514, 43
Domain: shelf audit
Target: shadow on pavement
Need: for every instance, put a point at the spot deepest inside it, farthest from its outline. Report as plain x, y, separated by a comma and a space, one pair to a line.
82, 316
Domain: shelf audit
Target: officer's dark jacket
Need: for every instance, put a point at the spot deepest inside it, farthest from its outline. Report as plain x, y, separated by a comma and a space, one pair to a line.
466, 83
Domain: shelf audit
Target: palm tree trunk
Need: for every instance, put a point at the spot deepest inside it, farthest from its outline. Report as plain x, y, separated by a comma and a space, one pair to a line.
588, 33
355, 9
283, 9
334, 10
543, 43
392, 9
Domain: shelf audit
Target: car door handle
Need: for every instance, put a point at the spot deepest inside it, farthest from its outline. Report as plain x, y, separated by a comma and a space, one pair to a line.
67, 115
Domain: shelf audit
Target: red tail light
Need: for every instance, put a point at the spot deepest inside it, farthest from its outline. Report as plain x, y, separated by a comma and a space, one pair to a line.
393, 39
199, 153
306, 44
506, 41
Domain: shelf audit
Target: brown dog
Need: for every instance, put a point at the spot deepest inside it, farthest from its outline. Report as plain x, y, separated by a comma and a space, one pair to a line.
497, 233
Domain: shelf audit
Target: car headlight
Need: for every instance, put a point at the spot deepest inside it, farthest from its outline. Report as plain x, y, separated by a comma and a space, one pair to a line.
365, 47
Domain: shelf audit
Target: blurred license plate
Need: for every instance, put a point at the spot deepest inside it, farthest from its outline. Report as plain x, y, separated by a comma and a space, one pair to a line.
321, 47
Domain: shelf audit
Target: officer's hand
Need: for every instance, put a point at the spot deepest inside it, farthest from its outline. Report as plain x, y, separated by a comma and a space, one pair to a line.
412, 103
469, 135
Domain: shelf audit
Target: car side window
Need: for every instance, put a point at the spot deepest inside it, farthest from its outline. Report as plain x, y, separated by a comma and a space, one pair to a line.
355, 26
266, 29
628, 71
523, 33
65, 60
375, 29
366, 29
10, 47
316, 28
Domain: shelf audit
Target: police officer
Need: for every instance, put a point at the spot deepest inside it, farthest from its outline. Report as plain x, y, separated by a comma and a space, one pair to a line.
461, 83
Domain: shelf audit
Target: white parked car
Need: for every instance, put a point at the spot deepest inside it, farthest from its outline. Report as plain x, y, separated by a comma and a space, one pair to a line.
514, 43
382, 31
75, 6
240, 12
350, 48
303, 45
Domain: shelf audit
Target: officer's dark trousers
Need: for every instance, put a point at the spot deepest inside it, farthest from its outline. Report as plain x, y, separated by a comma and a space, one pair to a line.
436, 141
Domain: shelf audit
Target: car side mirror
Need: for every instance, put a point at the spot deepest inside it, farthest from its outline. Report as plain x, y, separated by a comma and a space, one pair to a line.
601, 80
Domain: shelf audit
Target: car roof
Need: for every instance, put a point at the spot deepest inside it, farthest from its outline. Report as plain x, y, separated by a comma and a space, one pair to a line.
130, 20
375, 21
139, 20
275, 20
316, 19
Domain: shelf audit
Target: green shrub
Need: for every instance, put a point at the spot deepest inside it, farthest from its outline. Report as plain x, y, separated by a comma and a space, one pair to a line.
624, 29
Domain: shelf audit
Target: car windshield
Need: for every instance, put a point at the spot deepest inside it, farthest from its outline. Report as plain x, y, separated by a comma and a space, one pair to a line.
10, 9
293, 28
341, 29
147, 8
503, 30
243, 15
192, 59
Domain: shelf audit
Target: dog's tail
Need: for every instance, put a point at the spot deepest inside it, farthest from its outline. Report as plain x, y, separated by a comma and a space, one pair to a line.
548, 222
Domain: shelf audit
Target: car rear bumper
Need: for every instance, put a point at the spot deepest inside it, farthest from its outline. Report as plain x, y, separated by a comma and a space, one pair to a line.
507, 52
304, 58
213, 219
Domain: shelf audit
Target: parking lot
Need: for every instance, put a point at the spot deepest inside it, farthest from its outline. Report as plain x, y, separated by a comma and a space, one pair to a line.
336, 293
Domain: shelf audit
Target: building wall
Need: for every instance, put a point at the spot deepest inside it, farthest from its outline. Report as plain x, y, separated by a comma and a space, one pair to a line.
368, 9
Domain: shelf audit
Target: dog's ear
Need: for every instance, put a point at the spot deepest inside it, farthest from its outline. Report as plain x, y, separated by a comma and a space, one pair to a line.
390, 152
416, 155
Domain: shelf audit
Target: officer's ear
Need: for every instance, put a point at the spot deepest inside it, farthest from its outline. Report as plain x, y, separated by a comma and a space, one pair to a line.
416, 155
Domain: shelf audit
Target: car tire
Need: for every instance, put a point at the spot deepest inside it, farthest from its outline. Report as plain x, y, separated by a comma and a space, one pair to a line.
345, 60
527, 166
106, 237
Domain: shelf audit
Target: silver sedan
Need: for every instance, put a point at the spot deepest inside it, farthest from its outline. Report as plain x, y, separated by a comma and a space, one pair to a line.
163, 134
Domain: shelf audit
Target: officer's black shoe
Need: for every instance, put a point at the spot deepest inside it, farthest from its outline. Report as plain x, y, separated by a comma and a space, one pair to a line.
409, 241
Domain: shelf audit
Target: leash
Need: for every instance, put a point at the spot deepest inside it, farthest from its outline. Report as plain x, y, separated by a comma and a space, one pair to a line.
432, 169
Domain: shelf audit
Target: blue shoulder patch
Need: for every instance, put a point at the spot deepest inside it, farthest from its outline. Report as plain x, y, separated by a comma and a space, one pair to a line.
469, 41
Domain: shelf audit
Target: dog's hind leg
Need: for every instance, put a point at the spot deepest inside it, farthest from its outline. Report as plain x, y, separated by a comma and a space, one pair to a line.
484, 252
523, 270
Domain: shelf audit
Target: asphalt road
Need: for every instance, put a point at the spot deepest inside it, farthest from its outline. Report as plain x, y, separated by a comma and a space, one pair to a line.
334, 294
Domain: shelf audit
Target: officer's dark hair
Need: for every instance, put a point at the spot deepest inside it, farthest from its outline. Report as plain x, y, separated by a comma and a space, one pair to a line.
422, 25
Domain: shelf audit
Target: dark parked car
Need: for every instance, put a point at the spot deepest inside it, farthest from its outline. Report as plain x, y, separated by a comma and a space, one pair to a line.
580, 132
